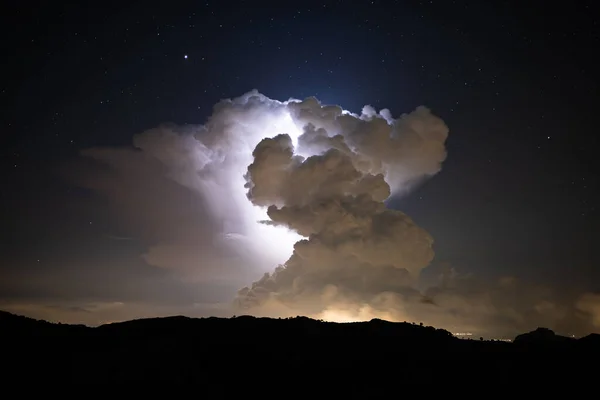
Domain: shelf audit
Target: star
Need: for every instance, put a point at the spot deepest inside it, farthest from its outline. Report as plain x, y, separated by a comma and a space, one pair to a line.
185, 56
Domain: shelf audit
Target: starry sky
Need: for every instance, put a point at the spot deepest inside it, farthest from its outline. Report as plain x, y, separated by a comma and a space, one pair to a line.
517, 87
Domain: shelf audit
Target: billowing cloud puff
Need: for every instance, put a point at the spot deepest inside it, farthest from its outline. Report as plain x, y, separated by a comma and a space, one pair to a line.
329, 185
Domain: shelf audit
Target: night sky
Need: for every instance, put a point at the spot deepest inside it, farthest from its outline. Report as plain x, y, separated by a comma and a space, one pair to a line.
517, 86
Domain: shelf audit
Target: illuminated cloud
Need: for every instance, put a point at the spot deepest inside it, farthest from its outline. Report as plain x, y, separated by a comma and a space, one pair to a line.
329, 185
288, 199
182, 190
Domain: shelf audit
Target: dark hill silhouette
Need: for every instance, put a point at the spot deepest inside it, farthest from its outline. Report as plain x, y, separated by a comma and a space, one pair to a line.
542, 336
593, 339
180, 349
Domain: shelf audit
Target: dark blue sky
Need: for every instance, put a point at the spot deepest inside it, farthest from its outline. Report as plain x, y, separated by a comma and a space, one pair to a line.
517, 86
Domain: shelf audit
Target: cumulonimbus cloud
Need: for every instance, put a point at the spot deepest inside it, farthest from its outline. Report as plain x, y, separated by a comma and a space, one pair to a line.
294, 191
329, 185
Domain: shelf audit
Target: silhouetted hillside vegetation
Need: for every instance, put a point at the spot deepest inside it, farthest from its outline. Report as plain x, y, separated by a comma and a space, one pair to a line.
181, 349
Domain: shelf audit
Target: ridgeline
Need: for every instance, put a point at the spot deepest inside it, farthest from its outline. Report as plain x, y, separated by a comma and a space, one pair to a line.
183, 350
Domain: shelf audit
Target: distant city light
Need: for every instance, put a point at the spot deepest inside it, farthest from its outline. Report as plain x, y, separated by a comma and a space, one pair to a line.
467, 335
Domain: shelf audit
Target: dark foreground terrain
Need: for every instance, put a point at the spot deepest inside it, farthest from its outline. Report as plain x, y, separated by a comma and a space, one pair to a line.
225, 352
